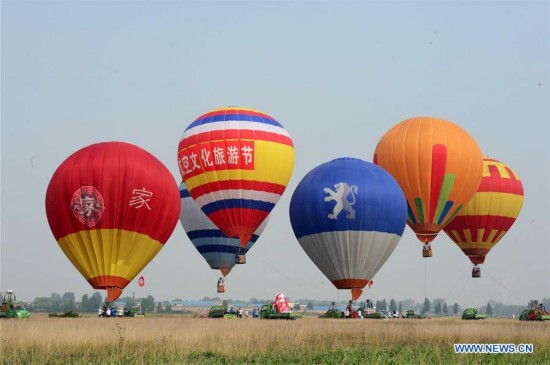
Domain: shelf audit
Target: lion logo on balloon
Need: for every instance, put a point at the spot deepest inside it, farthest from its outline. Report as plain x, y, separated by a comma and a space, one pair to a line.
341, 196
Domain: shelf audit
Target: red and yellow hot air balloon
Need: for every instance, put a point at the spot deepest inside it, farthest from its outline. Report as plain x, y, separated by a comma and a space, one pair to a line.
437, 164
481, 224
236, 163
111, 207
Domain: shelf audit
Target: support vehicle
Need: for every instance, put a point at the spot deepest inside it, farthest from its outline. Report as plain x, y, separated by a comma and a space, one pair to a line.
221, 311
410, 314
536, 312
471, 313
269, 311
12, 308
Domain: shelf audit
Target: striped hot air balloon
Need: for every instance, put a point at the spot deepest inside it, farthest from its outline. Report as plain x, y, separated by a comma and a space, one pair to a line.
219, 251
236, 163
111, 207
348, 215
437, 164
482, 223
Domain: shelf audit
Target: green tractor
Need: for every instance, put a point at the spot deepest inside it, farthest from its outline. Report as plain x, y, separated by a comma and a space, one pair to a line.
471, 313
332, 312
536, 312
221, 311
411, 315
12, 308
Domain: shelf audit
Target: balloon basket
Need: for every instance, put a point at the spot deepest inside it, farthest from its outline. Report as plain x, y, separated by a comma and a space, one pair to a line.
427, 253
476, 274
221, 289
240, 259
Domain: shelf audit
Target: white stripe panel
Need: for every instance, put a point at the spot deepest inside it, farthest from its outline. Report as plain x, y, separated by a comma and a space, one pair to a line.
207, 127
237, 194
349, 254
192, 218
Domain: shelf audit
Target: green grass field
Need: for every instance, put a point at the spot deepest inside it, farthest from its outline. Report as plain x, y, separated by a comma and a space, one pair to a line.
186, 340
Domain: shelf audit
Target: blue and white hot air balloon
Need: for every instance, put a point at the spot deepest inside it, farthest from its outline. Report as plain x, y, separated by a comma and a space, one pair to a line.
348, 216
218, 250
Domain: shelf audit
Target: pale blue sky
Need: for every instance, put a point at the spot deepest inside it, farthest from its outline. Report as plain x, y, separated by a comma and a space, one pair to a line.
337, 75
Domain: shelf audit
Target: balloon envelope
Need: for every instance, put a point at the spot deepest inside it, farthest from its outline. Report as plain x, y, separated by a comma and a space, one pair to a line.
111, 207
348, 216
236, 163
481, 224
218, 250
437, 164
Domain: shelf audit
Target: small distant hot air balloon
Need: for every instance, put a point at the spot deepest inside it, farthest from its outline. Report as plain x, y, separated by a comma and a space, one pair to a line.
111, 207
348, 216
236, 163
219, 251
481, 224
141, 281
437, 164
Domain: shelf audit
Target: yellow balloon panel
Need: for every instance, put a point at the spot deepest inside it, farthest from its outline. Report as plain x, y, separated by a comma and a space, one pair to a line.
109, 252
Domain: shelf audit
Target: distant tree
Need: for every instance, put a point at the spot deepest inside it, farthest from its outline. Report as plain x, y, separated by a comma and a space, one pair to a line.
310, 306
159, 307
84, 305
384, 304
489, 309
393, 306
379, 305
95, 301
296, 307
225, 303
456, 308
445, 308
57, 302
68, 297
400, 308
148, 304
168, 308
437, 309
42, 304
426, 307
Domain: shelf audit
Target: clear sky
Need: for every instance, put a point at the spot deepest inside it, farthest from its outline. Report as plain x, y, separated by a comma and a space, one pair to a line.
336, 74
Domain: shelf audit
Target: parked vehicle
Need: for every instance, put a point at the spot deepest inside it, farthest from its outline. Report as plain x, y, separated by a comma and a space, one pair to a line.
12, 308
471, 313
269, 311
410, 314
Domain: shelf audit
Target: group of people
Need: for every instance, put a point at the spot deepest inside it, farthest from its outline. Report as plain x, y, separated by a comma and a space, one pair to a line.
240, 312
106, 311
352, 312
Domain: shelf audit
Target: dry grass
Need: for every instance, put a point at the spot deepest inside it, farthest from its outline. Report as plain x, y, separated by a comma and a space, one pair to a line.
193, 340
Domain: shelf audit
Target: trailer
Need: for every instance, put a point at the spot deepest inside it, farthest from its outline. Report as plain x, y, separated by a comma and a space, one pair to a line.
269, 311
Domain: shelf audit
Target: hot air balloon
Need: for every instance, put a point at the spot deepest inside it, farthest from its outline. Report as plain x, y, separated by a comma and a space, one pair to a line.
219, 251
438, 166
348, 215
236, 163
481, 224
111, 207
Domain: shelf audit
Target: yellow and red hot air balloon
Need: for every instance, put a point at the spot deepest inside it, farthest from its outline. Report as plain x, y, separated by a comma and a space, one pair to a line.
437, 164
111, 207
481, 224
236, 163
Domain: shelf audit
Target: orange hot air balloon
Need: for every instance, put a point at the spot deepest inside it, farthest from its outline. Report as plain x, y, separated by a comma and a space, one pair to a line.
111, 207
481, 224
437, 164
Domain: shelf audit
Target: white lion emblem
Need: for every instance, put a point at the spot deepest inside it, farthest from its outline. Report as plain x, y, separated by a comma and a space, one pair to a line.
343, 190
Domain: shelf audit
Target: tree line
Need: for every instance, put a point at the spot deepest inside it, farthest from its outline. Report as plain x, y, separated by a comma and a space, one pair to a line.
439, 307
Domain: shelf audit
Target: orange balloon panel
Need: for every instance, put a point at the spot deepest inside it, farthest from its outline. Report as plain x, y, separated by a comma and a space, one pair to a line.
111, 207
489, 215
437, 164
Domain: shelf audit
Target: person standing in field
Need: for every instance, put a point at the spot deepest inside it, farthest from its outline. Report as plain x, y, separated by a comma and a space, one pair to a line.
246, 313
